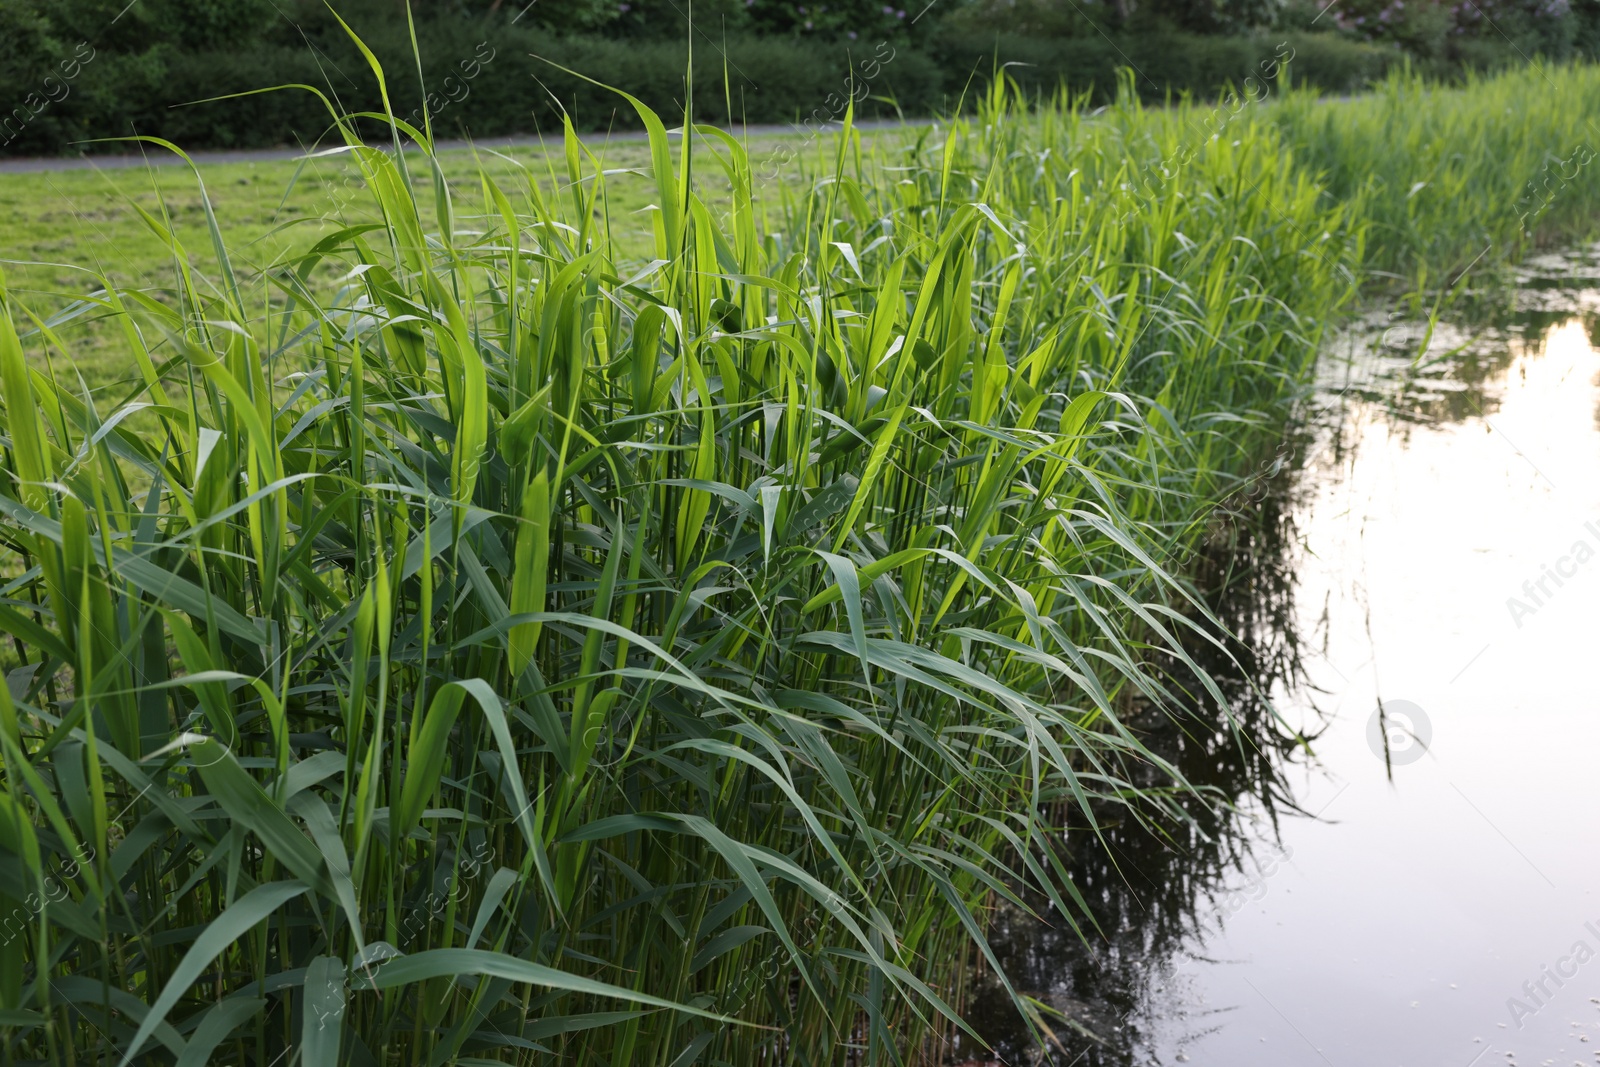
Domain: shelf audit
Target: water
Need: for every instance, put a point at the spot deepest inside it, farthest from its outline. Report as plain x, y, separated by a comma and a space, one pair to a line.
1434, 900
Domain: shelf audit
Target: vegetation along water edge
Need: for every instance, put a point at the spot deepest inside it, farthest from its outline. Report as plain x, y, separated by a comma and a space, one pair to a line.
473, 636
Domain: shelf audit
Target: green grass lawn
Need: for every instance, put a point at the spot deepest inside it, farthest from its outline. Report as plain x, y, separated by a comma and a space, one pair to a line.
66, 229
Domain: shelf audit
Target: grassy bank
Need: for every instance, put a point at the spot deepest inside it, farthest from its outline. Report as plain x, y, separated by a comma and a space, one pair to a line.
475, 640
64, 223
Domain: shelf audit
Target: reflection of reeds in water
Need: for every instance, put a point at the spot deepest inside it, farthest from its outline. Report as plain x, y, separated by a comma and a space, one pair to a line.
1148, 883
1448, 372
1460, 377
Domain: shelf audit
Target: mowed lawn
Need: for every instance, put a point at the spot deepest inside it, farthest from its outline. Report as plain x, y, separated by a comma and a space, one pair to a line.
63, 230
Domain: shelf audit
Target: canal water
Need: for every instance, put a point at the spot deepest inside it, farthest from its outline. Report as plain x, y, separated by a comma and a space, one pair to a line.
1421, 889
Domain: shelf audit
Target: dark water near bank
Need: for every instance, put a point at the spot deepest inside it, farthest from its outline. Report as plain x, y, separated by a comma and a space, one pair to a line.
1435, 900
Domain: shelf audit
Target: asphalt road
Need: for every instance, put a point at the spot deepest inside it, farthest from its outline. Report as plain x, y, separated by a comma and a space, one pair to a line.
164, 159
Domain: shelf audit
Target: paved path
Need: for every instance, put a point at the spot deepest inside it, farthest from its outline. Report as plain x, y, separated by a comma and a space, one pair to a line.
159, 158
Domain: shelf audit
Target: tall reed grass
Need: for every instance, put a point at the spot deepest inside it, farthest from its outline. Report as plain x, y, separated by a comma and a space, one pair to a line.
525, 653
1458, 179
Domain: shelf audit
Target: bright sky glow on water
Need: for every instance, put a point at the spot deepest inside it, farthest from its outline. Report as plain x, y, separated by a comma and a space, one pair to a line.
1448, 917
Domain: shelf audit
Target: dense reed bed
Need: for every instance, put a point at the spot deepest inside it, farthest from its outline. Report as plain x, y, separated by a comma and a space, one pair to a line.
1458, 179
467, 644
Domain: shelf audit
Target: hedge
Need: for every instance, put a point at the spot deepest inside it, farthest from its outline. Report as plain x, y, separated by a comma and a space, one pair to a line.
499, 87
1166, 63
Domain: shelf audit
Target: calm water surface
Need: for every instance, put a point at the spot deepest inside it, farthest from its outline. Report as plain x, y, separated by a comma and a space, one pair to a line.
1440, 906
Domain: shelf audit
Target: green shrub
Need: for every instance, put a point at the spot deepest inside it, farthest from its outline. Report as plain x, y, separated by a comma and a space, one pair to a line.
36, 68
1440, 30
498, 86
1166, 64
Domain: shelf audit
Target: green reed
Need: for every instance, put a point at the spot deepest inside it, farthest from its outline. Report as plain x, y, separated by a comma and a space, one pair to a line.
1459, 179
515, 651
